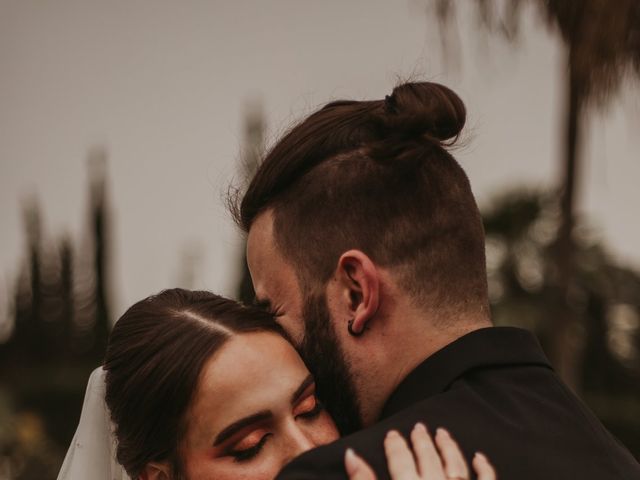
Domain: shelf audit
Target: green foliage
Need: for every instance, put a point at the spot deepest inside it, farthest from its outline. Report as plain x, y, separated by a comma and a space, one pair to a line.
521, 227
60, 329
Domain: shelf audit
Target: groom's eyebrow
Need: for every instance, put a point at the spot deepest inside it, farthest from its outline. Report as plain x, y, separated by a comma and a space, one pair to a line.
235, 427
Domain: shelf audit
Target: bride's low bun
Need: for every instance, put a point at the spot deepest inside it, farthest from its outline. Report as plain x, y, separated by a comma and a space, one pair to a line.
424, 110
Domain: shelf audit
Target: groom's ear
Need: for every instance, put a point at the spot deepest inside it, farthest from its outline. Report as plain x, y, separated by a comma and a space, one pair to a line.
360, 280
156, 471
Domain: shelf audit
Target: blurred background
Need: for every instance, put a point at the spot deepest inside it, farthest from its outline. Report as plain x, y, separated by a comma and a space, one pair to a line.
123, 124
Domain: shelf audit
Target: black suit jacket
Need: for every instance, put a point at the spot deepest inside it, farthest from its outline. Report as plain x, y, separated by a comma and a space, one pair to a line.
495, 391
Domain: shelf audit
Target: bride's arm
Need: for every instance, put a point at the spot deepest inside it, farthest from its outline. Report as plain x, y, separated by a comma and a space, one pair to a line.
426, 462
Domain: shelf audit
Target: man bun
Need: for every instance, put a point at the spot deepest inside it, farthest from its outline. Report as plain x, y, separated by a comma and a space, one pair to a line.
424, 110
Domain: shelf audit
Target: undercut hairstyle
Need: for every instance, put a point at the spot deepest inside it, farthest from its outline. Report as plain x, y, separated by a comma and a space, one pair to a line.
154, 359
376, 176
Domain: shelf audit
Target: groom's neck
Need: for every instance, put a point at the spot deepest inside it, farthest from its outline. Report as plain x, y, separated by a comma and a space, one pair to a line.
405, 340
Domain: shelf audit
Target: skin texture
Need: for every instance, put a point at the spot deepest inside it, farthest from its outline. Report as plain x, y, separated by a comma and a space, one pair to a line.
274, 280
393, 326
277, 288
252, 373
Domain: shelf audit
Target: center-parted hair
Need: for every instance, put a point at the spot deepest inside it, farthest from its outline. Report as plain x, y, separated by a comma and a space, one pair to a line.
376, 176
155, 354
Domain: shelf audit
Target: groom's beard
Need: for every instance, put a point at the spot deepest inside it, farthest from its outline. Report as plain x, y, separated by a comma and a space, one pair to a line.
326, 361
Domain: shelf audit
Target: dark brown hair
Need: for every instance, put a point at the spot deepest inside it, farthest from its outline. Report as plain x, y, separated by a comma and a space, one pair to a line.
153, 362
376, 176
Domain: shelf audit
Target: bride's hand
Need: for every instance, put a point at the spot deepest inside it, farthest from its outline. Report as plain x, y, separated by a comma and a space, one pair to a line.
445, 463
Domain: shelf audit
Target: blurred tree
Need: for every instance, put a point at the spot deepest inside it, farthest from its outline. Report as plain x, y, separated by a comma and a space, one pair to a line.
190, 266
25, 341
602, 48
67, 301
521, 228
61, 322
252, 150
100, 231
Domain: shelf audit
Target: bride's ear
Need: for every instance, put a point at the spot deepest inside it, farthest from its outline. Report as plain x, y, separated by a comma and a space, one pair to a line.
156, 471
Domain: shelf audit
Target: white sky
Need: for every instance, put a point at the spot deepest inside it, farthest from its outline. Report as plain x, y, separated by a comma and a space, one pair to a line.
163, 85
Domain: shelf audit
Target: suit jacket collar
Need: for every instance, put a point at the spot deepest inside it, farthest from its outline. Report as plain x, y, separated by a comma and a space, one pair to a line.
486, 347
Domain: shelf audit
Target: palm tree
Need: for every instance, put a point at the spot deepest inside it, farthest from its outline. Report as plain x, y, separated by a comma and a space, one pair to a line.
252, 150
601, 40
520, 227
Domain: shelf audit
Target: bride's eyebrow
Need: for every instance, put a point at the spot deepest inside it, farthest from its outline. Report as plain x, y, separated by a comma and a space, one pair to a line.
301, 389
235, 427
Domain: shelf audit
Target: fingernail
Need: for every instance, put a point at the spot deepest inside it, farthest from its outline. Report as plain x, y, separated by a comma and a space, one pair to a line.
481, 456
442, 432
420, 427
392, 434
350, 461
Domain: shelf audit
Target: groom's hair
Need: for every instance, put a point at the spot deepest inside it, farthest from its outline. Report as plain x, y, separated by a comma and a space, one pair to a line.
376, 176
154, 359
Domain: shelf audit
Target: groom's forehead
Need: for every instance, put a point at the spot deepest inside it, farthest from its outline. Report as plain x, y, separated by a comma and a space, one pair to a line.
266, 264
261, 246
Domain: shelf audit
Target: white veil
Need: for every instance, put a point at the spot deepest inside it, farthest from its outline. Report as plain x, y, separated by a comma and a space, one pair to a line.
92, 453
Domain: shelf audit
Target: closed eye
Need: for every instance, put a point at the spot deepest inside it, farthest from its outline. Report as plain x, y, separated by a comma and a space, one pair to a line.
308, 408
313, 413
247, 454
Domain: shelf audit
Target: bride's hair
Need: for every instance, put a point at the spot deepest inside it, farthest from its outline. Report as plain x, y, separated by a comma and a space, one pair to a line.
377, 176
153, 362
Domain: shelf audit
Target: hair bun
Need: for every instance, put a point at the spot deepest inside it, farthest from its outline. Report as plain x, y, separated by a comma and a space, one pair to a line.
424, 109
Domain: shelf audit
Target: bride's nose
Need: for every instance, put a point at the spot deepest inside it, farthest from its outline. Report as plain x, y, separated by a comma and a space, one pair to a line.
298, 440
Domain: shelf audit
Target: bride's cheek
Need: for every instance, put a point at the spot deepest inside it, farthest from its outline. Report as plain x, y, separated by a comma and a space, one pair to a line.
225, 468
262, 467
203, 465
327, 430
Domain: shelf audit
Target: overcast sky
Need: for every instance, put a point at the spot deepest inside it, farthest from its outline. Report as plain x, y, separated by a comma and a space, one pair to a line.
163, 86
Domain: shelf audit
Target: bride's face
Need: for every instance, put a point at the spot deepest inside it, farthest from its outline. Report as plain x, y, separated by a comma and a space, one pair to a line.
255, 409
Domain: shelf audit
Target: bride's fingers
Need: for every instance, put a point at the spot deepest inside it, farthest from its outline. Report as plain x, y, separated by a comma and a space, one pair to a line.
455, 465
399, 457
429, 464
357, 468
483, 468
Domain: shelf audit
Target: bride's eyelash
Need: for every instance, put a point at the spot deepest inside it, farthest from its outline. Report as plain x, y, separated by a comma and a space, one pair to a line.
314, 412
249, 453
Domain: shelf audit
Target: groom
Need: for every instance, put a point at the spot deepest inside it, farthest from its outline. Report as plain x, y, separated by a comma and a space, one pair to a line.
365, 241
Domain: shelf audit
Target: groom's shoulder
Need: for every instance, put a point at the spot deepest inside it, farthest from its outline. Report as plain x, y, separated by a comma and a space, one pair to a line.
529, 433
327, 462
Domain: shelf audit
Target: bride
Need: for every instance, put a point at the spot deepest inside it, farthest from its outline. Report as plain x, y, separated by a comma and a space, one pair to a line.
196, 386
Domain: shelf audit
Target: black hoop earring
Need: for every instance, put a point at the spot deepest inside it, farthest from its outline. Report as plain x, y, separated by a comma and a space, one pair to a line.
351, 331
